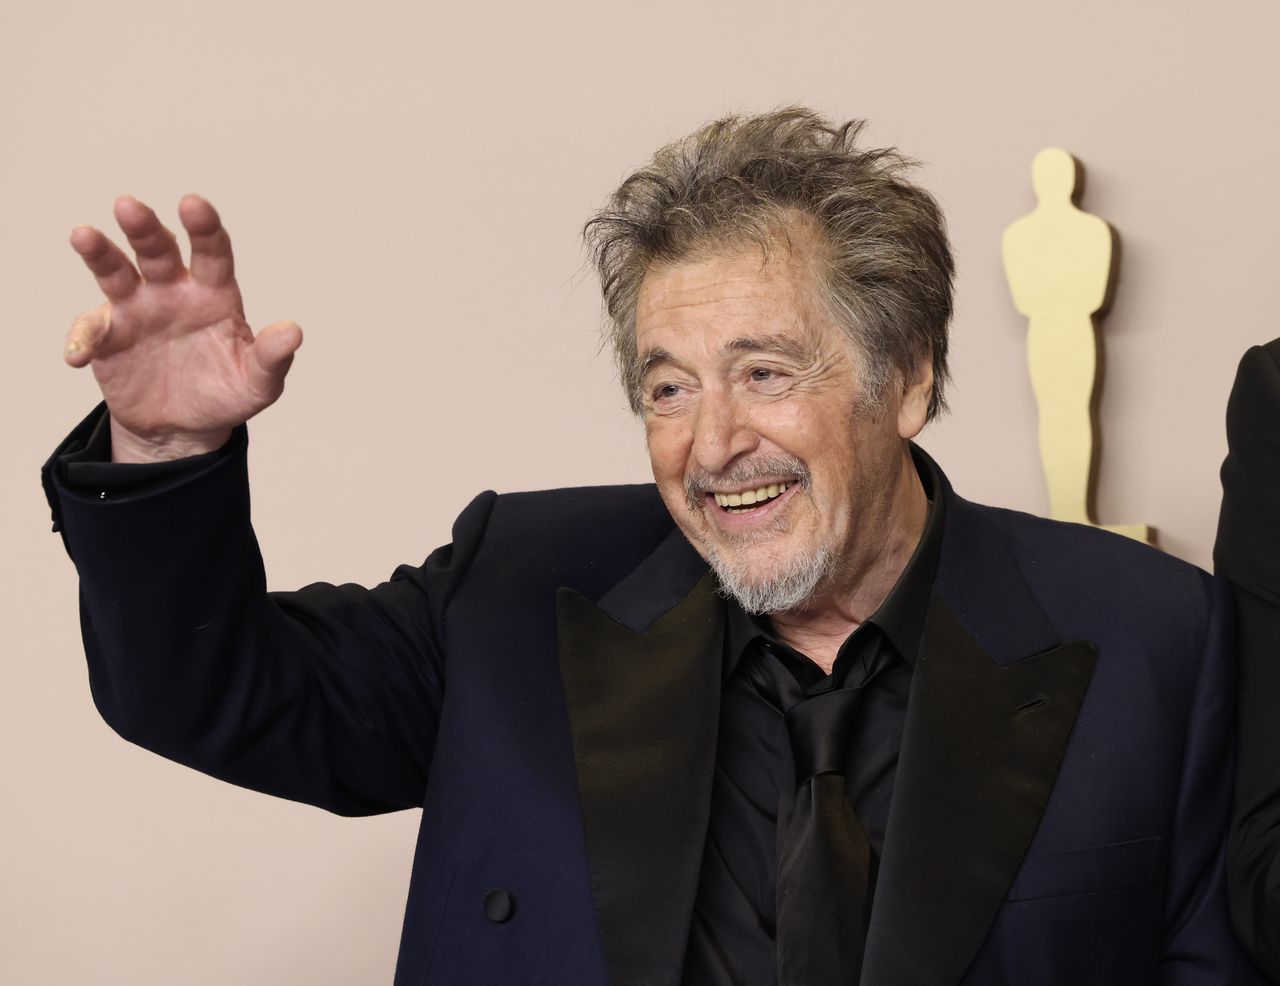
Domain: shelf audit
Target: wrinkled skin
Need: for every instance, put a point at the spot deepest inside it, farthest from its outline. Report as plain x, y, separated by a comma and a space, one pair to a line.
178, 365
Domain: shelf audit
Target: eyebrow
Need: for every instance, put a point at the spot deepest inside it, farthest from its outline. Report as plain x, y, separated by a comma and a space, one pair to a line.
650, 358
779, 345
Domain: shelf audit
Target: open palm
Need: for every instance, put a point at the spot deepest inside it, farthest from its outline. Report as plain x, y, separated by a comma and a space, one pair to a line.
177, 364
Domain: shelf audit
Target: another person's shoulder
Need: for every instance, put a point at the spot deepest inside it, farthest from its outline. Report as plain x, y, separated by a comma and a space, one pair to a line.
1255, 395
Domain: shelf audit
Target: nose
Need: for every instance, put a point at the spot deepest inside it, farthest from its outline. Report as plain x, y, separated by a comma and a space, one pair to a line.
721, 431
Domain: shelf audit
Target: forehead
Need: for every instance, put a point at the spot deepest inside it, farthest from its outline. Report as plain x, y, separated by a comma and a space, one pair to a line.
731, 291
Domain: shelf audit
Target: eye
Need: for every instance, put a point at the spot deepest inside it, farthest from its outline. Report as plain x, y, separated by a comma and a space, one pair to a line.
666, 397
768, 379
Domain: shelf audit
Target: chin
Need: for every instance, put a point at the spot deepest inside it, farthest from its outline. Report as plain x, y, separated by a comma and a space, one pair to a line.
773, 583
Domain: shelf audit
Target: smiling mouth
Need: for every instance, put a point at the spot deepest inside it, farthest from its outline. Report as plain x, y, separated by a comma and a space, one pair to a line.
744, 501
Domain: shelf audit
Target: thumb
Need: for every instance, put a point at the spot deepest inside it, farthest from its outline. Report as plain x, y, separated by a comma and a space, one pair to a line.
86, 336
271, 354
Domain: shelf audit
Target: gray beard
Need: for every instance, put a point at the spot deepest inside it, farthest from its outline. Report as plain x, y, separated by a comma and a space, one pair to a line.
787, 587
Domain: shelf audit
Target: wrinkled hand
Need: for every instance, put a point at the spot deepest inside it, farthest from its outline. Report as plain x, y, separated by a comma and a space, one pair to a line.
178, 365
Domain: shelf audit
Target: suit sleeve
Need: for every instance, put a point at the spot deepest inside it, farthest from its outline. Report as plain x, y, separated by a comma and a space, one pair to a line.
1199, 947
1248, 554
330, 695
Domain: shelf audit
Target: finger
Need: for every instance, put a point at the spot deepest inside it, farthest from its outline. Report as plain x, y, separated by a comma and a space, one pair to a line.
271, 355
153, 244
86, 335
211, 259
116, 275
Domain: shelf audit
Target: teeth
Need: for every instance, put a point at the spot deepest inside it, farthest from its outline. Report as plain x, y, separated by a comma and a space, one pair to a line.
751, 497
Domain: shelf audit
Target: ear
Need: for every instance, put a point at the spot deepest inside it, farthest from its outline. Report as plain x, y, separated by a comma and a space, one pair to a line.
913, 412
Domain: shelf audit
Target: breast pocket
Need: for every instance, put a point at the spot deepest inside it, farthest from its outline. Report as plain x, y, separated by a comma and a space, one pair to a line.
1095, 869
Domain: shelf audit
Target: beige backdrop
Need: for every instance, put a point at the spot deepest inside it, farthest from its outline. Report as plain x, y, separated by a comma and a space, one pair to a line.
407, 181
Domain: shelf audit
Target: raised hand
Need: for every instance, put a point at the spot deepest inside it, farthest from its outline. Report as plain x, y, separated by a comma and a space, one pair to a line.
178, 365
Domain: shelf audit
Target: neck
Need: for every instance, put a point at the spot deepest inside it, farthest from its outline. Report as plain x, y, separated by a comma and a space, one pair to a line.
819, 628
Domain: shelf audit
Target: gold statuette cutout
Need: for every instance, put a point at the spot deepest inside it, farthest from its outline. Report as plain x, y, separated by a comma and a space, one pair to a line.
1059, 261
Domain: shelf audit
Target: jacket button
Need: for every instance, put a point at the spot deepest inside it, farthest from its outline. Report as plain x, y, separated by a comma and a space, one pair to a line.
499, 906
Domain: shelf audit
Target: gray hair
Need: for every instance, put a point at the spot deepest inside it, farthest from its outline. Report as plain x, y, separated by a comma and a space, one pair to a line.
886, 271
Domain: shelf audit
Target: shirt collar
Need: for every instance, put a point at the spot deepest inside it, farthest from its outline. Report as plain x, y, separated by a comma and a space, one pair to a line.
901, 616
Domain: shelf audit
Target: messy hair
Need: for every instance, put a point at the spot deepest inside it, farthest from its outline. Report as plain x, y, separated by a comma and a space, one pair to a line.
884, 267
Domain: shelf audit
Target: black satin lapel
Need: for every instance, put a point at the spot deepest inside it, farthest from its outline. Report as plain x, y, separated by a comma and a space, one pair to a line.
643, 710
980, 753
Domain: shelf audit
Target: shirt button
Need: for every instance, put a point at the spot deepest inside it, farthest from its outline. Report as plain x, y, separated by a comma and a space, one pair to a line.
499, 906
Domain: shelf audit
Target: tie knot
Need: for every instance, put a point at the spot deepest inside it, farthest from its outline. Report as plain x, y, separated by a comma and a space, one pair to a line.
821, 728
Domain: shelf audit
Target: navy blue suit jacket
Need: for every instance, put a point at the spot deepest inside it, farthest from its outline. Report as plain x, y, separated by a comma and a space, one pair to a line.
546, 688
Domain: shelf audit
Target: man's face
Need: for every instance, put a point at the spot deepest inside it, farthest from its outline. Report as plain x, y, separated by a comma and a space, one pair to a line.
758, 435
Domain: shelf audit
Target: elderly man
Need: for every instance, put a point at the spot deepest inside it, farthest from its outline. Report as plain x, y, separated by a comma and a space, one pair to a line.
797, 714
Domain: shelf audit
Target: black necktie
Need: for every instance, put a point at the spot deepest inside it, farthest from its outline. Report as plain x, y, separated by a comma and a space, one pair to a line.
824, 857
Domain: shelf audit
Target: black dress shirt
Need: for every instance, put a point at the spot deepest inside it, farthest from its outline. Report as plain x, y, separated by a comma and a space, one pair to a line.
731, 941
90, 471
